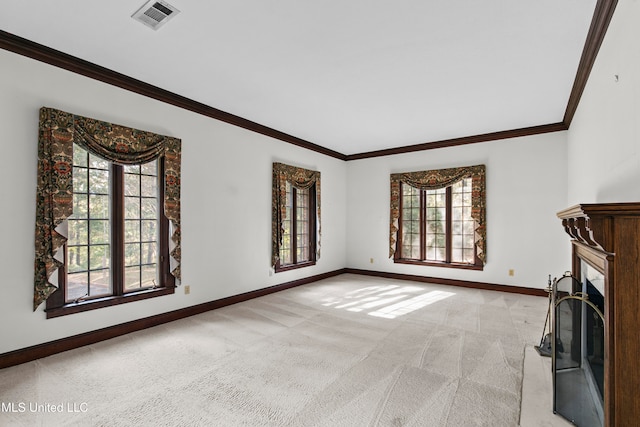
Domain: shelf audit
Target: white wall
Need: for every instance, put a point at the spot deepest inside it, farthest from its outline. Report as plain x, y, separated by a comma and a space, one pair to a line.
526, 186
226, 199
604, 142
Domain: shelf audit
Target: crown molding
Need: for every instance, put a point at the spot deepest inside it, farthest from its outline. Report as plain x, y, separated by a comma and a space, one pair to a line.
76, 65
494, 136
599, 24
598, 29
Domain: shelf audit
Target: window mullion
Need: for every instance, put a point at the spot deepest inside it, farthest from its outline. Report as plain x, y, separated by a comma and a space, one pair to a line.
293, 240
166, 279
423, 225
449, 225
117, 229
312, 223
399, 253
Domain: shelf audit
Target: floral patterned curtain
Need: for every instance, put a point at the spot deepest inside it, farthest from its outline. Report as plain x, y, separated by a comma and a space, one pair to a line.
58, 131
440, 178
302, 179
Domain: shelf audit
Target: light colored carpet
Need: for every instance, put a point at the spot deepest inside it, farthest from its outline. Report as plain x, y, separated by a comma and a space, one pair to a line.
346, 351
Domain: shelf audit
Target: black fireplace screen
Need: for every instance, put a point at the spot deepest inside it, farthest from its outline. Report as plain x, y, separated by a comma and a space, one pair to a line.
578, 355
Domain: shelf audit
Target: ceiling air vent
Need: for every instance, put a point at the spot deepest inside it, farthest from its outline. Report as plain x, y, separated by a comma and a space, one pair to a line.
155, 13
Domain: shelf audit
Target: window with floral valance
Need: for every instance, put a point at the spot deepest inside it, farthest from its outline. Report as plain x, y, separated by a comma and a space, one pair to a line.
295, 217
418, 197
59, 131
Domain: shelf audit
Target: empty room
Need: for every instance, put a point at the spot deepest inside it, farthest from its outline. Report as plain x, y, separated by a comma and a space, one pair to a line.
336, 214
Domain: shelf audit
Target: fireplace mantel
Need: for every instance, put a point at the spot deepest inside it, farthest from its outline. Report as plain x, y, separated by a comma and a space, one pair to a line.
607, 237
592, 224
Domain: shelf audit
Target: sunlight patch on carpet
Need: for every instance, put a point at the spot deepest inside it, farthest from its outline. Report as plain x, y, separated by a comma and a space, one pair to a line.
389, 301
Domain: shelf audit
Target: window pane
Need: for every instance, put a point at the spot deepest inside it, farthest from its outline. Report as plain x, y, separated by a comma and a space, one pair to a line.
78, 258
96, 162
456, 255
431, 253
80, 180
80, 206
77, 286
99, 231
149, 186
148, 231
80, 156
100, 283
285, 256
132, 254
149, 275
98, 207
134, 169
456, 213
131, 231
469, 256
131, 207
132, 279
149, 253
99, 257
131, 185
434, 227
98, 181
456, 241
468, 226
430, 199
406, 214
150, 168
468, 241
303, 254
149, 208
78, 232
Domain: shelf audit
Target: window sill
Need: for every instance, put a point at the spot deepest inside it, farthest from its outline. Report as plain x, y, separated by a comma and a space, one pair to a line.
93, 304
439, 264
288, 267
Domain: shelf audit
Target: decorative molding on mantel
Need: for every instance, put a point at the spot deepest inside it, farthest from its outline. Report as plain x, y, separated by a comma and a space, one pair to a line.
592, 224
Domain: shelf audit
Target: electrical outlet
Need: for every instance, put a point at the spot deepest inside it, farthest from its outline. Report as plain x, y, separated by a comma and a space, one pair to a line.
511, 272
371, 260
187, 289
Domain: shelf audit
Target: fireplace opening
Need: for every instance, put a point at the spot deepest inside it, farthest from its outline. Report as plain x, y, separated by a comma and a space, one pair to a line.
578, 354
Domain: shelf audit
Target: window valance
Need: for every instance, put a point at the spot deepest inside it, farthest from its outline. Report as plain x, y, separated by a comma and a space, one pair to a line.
440, 178
302, 179
58, 131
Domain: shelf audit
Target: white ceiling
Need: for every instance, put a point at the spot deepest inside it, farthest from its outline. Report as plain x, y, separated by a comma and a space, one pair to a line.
352, 76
